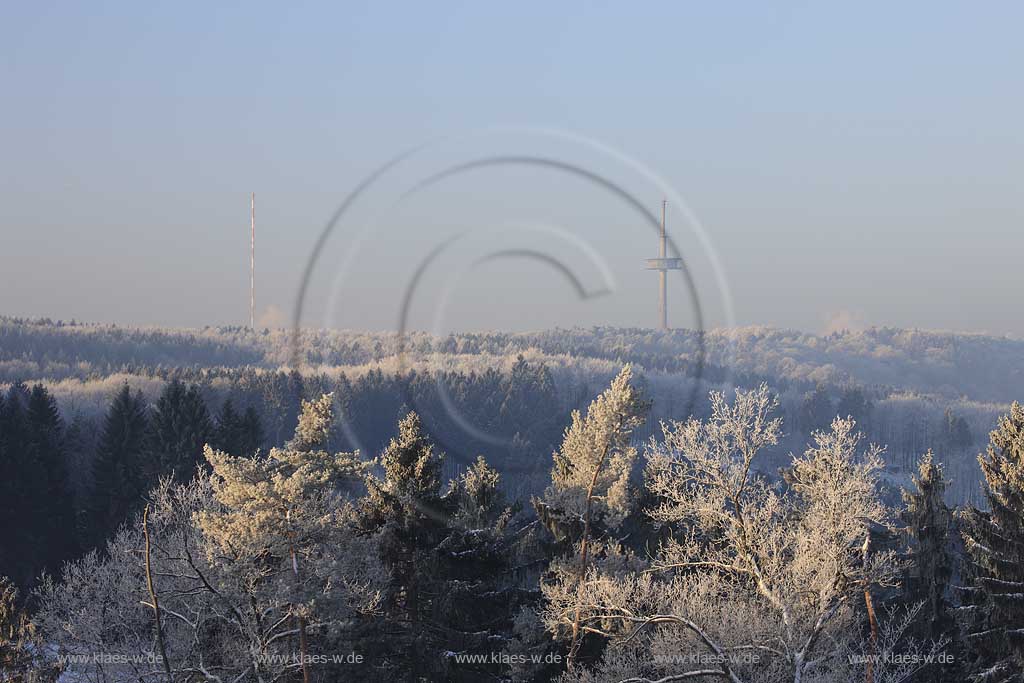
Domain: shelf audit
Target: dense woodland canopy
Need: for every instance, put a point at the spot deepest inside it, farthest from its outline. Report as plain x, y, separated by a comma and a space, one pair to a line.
577, 505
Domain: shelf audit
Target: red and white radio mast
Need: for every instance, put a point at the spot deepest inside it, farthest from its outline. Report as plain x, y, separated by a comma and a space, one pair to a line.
252, 262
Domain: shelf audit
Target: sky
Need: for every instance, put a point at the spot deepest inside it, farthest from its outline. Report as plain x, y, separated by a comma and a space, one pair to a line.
828, 165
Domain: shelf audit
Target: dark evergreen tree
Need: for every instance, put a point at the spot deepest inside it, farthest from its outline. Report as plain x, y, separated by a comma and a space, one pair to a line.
854, 403
9, 508
994, 541
251, 438
816, 411
179, 428
930, 568
119, 470
405, 506
80, 440
227, 432
956, 433
409, 493
20, 482
449, 557
51, 517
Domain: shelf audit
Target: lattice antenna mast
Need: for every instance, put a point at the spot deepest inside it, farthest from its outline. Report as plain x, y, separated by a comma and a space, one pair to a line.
663, 264
252, 262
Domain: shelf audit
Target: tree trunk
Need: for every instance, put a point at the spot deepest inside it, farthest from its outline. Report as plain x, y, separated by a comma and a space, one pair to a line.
869, 676
152, 595
584, 548
303, 645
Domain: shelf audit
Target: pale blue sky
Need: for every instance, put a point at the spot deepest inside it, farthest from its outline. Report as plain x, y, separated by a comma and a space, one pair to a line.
864, 161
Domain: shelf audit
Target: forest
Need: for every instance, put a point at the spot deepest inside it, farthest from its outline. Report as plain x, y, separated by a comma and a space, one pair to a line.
223, 504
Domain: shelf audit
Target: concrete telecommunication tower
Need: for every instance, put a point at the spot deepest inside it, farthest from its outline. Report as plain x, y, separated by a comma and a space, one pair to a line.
662, 264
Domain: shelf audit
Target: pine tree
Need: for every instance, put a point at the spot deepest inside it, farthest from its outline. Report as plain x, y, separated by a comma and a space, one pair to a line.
855, 404
474, 599
280, 507
119, 471
590, 478
956, 433
406, 507
928, 525
411, 488
449, 556
994, 541
80, 447
51, 516
6, 486
22, 482
179, 428
252, 436
816, 411
227, 431
237, 433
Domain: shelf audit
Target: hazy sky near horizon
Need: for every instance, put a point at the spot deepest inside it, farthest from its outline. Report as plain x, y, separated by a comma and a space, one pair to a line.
852, 165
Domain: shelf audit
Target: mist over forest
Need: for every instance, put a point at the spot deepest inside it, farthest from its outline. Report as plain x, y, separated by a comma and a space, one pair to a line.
909, 390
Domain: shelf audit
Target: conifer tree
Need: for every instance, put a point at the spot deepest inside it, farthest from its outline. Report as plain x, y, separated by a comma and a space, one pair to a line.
411, 488
928, 522
22, 482
119, 471
227, 430
6, 486
179, 428
590, 478
994, 541
405, 505
816, 411
928, 526
237, 433
279, 507
449, 555
251, 438
855, 404
956, 433
51, 515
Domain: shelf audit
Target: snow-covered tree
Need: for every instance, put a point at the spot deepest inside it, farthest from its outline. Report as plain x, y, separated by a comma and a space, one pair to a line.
994, 541
928, 525
758, 581
282, 507
590, 476
449, 556
590, 488
243, 561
